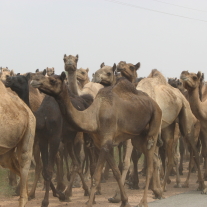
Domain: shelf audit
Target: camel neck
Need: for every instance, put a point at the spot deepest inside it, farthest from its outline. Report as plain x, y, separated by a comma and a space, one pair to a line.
196, 105
82, 121
72, 83
83, 82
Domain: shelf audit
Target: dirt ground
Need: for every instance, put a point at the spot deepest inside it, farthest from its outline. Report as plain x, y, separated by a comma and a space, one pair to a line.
107, 190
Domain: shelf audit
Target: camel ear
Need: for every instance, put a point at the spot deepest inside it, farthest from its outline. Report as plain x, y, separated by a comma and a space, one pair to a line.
93, 75
87, 70
137, 66
114, 67
44, 72
28, 76
77, 58
18, 74
199, 74
0, 69
37, 71
65, 55
202, 77
102, 65
62, 76
12, 73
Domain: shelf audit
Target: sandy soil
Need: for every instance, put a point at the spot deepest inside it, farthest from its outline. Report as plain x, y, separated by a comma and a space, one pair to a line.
108, 189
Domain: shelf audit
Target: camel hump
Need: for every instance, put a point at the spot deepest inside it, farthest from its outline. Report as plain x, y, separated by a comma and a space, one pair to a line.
124, 86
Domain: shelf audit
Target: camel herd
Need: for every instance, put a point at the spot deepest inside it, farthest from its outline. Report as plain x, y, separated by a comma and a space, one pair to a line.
56, 116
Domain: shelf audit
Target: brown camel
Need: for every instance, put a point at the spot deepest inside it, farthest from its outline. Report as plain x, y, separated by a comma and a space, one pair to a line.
118, 113
192, 82
82, 77
174, 106
71, 68
107, 76
20, 119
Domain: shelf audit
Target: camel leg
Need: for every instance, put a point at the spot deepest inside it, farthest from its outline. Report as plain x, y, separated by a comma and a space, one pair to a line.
186, 183
97, 176
176, 158
65, 155
168, 138
120, 166
59, 162
149, 154
24, 154
135, 158
38, 168
48, 160
126, 164
182, 150
156, 186
117, 175
76, 169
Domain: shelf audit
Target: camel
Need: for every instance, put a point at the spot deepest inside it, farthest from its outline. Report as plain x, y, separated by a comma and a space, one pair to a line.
82, 77
192, 82
118, 113
20, 119
47, 115
91, 88
107, 76
5, 72
173, 106
50, 71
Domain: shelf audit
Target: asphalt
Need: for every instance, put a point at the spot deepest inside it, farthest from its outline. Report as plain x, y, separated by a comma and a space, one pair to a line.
188, 199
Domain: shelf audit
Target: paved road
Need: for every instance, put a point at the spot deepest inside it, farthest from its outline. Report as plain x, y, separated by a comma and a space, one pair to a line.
188, 199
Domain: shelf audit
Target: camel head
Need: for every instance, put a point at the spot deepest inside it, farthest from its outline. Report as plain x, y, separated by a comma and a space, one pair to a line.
4, 72
70, 63
51, 85
105, 75
128, 70
191, 80
17, 83
50, 71
176, 83
82, 74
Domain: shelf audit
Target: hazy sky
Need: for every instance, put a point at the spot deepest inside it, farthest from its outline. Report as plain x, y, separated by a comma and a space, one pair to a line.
36, 34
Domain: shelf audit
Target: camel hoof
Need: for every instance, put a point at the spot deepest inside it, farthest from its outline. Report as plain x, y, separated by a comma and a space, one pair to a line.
30, 197
204, 191
114, 200
45, 203
86, 193
178, 186
185, 185
94, 202
98, 193
125, 205
62, 197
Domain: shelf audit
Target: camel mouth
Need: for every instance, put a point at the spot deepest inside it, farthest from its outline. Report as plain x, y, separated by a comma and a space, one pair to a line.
183, 78
119, 69
35, 84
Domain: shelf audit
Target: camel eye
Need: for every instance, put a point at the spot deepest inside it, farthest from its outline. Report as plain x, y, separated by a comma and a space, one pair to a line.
194, 78
52, 81
82, 73
108, 74
131, 68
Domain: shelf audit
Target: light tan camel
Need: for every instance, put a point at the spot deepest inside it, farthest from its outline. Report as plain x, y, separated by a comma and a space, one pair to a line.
173, 105
118, 113
50, 71
71, 68
20, 119
4, 72
191, 82
82, 77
